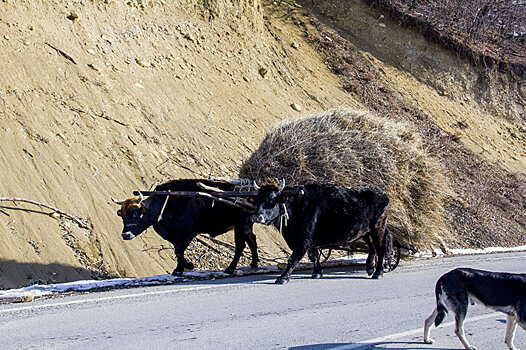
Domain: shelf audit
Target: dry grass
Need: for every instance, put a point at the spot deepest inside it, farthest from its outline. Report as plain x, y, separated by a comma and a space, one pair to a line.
488, 208
349, 147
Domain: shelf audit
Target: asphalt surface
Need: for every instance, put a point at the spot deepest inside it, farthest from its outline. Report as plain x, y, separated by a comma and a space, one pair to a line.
344, 310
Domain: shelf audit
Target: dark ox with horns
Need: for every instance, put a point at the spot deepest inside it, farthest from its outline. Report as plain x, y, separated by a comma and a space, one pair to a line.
179, 219
326, 216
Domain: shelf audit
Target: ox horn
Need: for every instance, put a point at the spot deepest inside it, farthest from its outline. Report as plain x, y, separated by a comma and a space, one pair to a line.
116, 201
281, 185
141, 197
256, 186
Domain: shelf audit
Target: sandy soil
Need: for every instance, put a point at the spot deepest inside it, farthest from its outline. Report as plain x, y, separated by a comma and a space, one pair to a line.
102, 98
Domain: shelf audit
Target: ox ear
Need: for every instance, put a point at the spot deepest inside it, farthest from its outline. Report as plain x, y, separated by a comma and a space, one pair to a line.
282, 198
143, 209
119, 212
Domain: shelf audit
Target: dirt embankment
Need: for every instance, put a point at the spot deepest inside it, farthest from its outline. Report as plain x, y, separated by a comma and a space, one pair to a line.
102, 98
121, 97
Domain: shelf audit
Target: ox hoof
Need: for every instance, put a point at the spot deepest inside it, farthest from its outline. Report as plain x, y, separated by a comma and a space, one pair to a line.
281, 280
370, 272
377, 276
177, 273
429, 341
230, 271
317, 276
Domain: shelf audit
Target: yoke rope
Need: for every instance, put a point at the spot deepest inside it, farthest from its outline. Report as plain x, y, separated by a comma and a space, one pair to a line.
283, 217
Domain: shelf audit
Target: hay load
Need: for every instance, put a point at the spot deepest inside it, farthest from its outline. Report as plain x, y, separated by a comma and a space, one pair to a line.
350, 148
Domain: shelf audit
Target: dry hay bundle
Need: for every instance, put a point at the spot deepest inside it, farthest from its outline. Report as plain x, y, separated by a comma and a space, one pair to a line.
350, 148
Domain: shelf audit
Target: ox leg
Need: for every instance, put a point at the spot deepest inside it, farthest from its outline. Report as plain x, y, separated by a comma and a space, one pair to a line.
238, 251
253, 246
379, 247
293, 261
179, 248
314, 256
369, 263
243, 233
182, 264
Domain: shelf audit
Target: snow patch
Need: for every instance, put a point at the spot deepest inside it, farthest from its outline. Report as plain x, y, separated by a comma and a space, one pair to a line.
39, 290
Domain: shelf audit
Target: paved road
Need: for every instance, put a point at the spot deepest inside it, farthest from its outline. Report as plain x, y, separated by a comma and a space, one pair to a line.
344, 310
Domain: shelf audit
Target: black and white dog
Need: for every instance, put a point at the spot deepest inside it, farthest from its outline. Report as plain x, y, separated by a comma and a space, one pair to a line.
505, 292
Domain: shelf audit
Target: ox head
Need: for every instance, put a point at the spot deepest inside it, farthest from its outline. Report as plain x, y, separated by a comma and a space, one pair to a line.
132, 212
267, 203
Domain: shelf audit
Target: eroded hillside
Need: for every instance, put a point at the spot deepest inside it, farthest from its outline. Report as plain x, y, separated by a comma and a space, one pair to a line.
472, 117
102, 98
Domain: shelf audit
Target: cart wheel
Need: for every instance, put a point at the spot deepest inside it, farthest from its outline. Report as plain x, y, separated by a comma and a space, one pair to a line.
326, 256
391, 261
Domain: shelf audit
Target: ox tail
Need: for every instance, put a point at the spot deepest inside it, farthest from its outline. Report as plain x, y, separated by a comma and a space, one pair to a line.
441, 305
388, 239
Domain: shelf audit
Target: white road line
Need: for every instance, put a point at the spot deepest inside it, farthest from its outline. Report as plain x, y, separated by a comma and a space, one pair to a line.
126, 296
371, 342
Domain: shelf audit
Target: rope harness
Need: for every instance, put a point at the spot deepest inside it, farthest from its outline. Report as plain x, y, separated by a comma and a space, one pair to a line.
283, 217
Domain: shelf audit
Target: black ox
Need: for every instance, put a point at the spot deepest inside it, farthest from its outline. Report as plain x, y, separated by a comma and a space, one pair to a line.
179, 219
326, 216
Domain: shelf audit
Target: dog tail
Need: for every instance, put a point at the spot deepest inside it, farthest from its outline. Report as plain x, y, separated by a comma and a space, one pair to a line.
441, 306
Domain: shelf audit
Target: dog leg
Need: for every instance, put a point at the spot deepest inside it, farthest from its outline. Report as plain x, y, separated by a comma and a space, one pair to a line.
511, 326
459, 331
427, 327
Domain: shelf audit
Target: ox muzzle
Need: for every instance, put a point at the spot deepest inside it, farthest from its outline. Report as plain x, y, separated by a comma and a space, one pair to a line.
127, 235
258, 218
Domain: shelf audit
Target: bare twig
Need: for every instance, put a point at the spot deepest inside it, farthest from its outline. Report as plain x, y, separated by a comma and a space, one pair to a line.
62, 53
61, 212
104, 116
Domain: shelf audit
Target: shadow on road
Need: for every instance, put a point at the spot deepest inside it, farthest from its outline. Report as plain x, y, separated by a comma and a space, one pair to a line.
348, 272
364, 346
15, 274
44, 280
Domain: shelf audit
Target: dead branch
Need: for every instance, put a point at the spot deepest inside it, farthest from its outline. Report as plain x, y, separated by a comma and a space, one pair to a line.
231, 246
42, 205
200, 240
